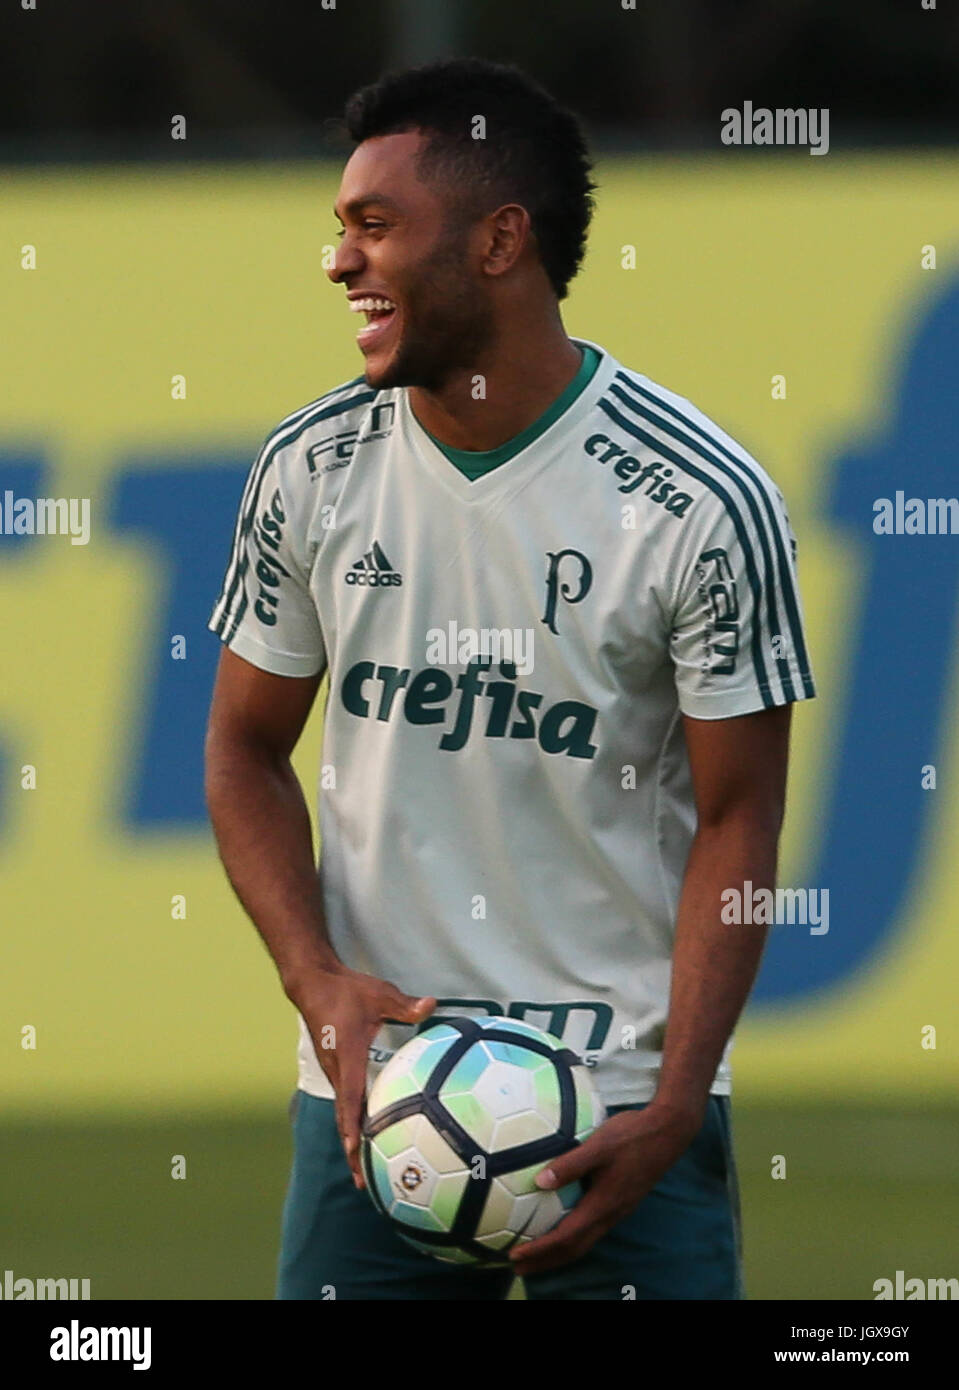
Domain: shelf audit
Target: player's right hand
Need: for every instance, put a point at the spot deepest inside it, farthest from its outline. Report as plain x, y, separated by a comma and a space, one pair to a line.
344, 1013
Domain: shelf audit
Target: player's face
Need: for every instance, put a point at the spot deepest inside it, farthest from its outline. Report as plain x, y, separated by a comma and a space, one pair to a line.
398, 246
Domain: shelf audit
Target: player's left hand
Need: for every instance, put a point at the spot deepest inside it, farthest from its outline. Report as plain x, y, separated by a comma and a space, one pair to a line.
620, 1163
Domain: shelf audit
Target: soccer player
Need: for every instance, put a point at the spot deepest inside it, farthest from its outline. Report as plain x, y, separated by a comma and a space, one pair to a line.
558, 611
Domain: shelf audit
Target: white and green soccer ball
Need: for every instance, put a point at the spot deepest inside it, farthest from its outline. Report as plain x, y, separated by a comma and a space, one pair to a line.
458, 1124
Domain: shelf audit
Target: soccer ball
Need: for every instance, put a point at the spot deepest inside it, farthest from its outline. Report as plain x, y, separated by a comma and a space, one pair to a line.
458, 1124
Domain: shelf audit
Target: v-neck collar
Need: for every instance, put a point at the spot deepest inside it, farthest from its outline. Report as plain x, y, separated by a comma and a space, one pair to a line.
473, 463
564, 415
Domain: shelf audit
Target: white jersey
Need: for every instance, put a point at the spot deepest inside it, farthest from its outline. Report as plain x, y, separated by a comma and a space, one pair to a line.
506, 808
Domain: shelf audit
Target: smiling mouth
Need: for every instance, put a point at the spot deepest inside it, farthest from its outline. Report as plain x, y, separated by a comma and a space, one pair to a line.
380, 314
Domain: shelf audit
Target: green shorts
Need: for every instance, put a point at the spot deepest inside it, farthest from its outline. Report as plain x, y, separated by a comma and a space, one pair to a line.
682, 1241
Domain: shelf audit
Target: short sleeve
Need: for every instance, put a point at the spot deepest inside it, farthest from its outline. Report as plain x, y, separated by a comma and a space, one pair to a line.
737, 636
265, 612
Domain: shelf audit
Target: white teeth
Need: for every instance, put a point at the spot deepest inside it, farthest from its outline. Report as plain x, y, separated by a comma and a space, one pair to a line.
360, 306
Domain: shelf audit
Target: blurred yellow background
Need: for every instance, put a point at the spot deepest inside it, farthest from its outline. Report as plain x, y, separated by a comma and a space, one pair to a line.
743, 271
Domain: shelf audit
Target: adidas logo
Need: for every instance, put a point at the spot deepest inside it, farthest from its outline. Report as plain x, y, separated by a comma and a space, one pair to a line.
374, 570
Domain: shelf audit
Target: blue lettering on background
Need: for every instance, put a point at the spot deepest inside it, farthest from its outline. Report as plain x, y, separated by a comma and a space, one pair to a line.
889, 720
186, 515
877, 817
24, 475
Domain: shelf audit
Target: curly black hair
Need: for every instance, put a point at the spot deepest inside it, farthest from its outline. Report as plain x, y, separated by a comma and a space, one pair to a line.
533, 151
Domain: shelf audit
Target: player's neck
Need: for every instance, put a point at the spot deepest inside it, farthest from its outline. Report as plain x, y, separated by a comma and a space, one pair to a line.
522, 377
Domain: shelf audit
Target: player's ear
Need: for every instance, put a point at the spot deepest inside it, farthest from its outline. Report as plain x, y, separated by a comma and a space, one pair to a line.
507, 232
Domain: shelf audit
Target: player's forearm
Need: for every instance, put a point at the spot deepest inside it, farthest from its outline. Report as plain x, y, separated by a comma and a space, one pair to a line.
714, 963
263, 832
